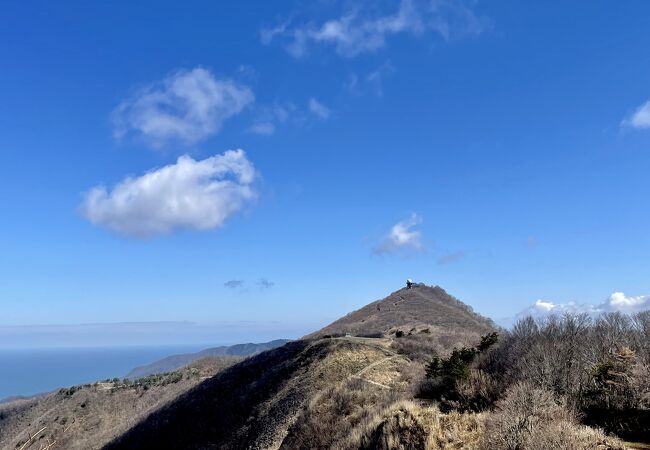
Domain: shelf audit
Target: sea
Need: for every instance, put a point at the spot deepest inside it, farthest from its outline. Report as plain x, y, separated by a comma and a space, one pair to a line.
26, 372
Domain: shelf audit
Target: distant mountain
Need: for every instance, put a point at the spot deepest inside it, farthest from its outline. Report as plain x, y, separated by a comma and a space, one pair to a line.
174, 362
419, 308
323, 391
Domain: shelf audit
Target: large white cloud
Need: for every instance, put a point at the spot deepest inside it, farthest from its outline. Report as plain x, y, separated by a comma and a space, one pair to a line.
402, 236
616, 302
186, 107
190, 194
640, 118
358, 31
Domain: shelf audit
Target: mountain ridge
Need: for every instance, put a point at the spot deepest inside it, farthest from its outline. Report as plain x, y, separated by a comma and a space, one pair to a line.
175, 362
349, 371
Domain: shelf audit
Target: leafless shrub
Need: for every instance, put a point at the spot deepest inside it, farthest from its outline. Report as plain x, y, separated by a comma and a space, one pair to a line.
423, 346
530, 418
565, 435
522, 410
405, 425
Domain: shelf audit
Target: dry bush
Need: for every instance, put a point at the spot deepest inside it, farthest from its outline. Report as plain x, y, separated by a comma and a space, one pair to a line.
564, 435
405, 425
600, 366
530, 418
640, 383
479, 392
334, 412
421, 347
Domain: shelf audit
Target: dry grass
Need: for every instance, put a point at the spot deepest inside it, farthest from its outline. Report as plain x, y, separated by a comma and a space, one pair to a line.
89, 416
405, 425
418, 308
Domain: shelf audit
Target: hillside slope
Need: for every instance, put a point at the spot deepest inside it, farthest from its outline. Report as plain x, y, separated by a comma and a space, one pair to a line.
325, 391
253, 404
89, 416
335, 390
421, 307
174, 362
281, 398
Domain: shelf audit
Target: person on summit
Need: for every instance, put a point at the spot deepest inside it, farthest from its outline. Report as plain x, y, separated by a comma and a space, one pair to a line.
409, 283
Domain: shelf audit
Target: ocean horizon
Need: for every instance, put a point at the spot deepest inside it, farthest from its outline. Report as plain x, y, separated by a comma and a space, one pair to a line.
31, 371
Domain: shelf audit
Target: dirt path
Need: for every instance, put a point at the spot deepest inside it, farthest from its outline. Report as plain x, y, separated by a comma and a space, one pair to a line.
359, 374
636, 446
370, 366
372, 342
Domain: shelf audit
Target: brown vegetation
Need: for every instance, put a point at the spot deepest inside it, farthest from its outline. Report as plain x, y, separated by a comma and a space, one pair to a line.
89, 416
411, 311
530, 418
601, 367
430, 375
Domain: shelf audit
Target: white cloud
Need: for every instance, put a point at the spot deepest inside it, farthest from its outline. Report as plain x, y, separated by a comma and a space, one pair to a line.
402, 236
354, 32
617, 302
640, 118
263, 128
268, 117
318, 109
186, 107
190, 194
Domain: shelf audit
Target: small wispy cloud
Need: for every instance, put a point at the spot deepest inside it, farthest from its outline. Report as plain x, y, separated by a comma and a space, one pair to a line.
263, 283
234, 284
262, 128
452, 257
640, 118
361, 31
189, 194
186, 107
371, 82
318, 109
268, 117
402, 236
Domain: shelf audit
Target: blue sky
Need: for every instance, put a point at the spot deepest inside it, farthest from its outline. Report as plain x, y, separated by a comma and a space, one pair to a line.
499, 149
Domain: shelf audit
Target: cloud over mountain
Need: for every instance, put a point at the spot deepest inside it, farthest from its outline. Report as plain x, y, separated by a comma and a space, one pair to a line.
402, 236
189, 194
616, 302
186, 107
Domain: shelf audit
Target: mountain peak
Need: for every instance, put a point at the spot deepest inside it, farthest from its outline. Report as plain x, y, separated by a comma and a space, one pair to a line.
416, 308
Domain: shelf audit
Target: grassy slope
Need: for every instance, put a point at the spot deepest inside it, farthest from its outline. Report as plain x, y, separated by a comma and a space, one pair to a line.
89, 416
252, 404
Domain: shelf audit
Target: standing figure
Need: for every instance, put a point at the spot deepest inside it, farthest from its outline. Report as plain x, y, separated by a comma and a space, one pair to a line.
409, 283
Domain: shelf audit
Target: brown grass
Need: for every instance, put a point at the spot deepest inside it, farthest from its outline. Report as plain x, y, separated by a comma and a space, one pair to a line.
420, 308
406, 425
88, 416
